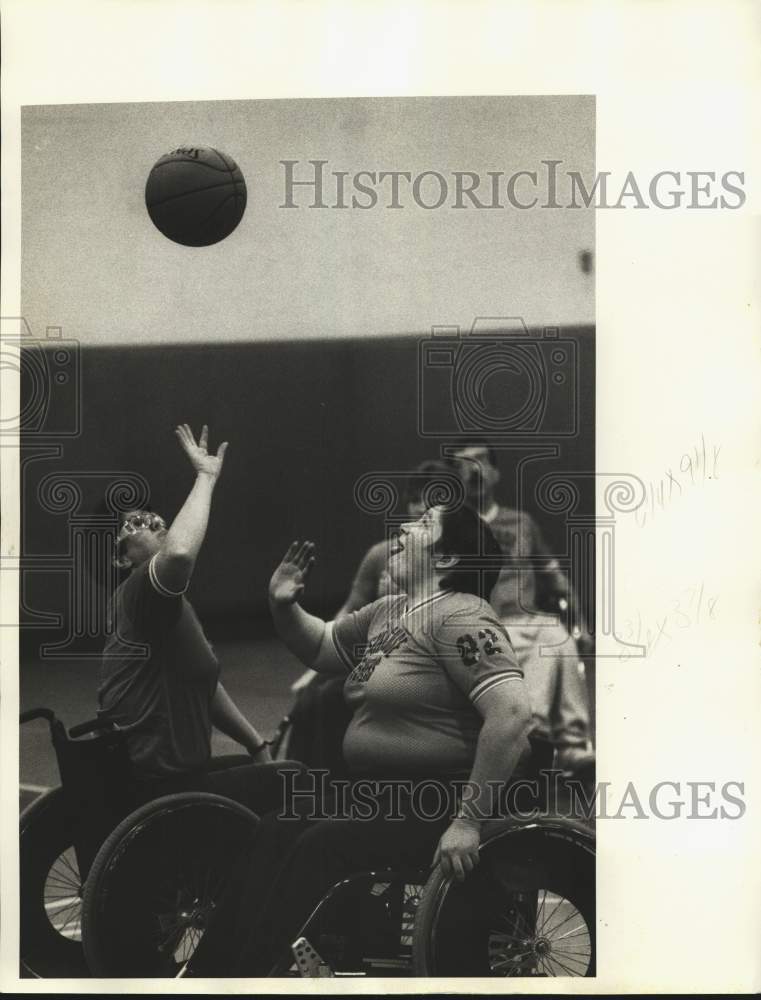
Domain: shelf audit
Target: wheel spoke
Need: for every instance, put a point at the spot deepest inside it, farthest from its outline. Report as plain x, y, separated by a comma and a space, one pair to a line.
64, 917
74, 915
578, 954
63, 874
54, 889
552, 958
579, 931
55, 879
544, 967
579, 957
516, 922
54, 903
572, 915
65, 861
61, 895
510, 959
539, 912
70, 871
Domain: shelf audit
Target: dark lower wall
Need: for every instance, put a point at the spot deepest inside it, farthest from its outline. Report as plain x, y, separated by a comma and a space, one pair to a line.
304, 420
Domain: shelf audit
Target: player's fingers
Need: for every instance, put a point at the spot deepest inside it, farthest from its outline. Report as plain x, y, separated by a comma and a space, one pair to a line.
182, 435
459, 872
221, 451
291, 552
308, 568
204, 438
302, 555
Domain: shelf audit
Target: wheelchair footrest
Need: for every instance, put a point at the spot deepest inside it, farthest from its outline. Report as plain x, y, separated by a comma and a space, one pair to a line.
309, 962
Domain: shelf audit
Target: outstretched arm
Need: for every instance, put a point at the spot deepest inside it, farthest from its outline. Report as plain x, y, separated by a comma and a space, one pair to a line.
229, 720
174, 564
303, 634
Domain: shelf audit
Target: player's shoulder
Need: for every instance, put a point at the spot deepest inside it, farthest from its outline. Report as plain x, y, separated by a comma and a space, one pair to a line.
456, 606
387, 608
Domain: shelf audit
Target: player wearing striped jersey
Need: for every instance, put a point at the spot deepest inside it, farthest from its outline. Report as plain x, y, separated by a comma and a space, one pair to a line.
433, 679
436, 692
416, 675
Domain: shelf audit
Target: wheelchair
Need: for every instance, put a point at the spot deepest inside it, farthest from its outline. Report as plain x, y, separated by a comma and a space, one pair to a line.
110, 890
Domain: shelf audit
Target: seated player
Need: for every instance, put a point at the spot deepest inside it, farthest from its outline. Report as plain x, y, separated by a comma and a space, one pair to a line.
435, 692
548, 655
320, 714
159, 676
556, 689
519, 536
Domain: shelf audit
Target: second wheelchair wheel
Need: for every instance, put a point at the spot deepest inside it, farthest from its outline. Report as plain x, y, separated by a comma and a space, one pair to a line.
158, 880
50, 889
528, 910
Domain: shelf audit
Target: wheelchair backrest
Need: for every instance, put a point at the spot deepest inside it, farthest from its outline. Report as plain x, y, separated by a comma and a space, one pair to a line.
95, 770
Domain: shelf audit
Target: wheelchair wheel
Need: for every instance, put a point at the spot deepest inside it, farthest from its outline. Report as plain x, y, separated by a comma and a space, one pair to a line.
528, 910
157, 881
50, 891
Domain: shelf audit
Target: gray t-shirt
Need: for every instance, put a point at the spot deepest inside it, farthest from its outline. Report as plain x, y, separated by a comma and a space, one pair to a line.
160, 695
414, 678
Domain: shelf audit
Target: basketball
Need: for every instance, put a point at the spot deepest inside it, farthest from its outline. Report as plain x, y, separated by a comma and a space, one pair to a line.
195, 195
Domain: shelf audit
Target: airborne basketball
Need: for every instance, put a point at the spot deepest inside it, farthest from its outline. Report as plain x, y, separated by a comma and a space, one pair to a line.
196, 195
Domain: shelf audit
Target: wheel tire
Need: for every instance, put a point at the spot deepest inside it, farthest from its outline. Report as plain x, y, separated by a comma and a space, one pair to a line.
528, 909
157, 880
48, 874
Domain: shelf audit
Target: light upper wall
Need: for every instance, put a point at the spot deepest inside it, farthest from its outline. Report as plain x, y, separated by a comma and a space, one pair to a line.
94, 264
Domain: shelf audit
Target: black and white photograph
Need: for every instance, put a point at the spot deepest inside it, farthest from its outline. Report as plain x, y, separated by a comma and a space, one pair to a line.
367, 609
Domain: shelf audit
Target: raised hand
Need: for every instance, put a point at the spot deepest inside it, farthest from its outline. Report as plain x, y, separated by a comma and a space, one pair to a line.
200, 459
289, 579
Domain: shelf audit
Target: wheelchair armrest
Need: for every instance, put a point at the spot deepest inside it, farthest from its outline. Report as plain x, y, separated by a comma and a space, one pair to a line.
36, 713
92, 726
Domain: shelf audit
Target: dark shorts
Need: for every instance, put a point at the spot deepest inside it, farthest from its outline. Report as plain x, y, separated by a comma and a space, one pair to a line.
259, 787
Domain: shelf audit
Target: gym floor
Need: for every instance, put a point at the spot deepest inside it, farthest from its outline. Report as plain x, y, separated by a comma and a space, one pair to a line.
257, 674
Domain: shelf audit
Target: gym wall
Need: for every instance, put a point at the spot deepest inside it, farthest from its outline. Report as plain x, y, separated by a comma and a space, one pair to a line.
305, 420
